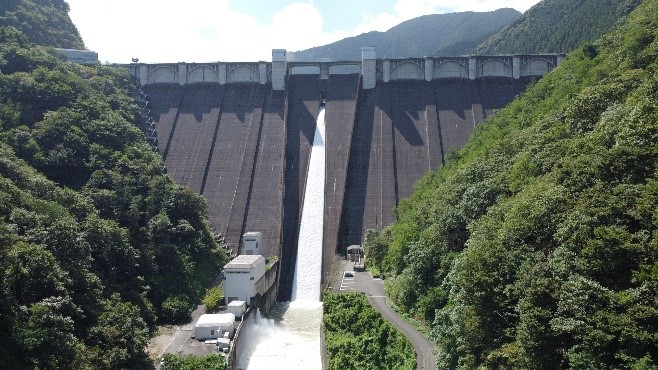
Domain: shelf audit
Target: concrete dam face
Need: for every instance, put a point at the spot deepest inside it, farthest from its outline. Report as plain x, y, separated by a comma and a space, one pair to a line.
245, 148
241, 136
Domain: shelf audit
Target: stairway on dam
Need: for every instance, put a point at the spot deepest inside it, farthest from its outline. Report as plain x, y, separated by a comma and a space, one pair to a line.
246, 147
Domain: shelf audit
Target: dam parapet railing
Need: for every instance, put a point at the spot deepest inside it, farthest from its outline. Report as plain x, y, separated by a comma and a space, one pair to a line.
371, 69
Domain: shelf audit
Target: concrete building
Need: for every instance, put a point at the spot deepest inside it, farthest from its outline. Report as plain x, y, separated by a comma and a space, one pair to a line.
213, 326
252, 242
237, 308
241, 277
79, 56
355, 254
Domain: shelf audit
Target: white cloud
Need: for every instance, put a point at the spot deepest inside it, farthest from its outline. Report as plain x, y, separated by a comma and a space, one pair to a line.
164, 31
298, 26
203, 30
194, 30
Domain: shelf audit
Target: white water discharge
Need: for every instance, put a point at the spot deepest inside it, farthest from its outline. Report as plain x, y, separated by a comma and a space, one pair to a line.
291, 338
308, 269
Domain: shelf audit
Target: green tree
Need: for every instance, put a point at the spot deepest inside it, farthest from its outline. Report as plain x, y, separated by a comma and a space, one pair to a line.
358, 337
47, 334
119, 337
214, 298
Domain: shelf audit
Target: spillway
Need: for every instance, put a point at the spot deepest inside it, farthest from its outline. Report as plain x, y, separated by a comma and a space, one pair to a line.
290, 339
308, 270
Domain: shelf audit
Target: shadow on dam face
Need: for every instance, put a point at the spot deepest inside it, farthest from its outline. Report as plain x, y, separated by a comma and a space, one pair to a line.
303, 108
252, 145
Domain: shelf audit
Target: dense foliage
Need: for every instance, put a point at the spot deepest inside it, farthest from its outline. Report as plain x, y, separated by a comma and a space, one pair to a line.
44, 22
536, 246
96, 243
434, 34
358, 337
214, 298
553, 26
182, 362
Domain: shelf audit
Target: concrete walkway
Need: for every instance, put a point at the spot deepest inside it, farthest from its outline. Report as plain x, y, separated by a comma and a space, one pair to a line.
373, 288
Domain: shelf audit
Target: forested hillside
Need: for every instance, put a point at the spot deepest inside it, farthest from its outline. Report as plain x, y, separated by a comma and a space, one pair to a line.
358, 337
557, 26
97, 245
429, 35
536, 246
43, 22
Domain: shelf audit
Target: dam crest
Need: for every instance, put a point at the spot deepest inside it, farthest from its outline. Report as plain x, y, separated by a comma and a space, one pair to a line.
371, 69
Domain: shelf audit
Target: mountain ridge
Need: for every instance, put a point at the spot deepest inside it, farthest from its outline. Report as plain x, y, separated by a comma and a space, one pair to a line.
557, 26
428, 35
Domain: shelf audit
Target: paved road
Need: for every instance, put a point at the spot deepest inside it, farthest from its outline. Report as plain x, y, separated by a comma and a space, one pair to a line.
181, 341
374, 291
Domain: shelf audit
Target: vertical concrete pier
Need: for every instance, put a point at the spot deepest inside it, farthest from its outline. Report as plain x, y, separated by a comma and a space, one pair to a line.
279, 69
429, 69
472, 68
369, 67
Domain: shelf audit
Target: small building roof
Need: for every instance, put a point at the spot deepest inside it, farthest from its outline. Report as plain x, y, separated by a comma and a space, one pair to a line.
215, 319
354, 247
245, 261
253, 233
236, 303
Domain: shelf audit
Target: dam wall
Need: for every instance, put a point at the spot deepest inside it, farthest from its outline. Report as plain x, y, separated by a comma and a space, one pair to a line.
340, 110
242, 138
264, 198
402, 130
241, 114
459, 108
164, 101
191, 136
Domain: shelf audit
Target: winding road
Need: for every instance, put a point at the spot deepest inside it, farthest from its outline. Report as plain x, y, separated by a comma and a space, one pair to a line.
373, 288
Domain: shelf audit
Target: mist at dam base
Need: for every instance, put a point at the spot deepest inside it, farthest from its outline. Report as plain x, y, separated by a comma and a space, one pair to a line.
290, 337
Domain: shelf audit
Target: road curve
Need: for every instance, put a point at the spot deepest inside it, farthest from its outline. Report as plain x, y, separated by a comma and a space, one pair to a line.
374, 290
425, 358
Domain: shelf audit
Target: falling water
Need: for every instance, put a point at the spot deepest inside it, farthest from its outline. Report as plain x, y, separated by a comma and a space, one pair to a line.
290, 339
308, 270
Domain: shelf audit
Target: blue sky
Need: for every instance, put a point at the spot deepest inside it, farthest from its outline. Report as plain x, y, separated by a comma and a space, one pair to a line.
242, 30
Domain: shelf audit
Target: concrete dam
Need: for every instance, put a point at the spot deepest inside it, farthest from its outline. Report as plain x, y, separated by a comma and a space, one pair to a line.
240, 135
